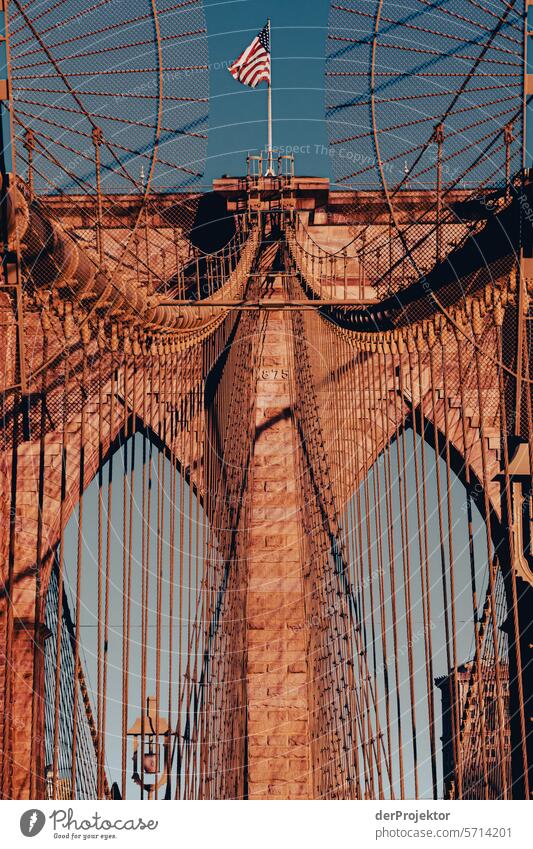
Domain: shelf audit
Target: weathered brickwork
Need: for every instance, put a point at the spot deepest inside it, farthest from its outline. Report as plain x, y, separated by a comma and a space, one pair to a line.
278, 747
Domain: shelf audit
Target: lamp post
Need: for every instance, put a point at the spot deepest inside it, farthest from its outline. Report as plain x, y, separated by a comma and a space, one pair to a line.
151, 755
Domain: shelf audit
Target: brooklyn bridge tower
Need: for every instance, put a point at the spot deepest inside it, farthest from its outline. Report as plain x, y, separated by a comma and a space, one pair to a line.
265, 469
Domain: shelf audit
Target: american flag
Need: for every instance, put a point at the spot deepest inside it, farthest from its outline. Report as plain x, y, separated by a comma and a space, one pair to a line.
253, 66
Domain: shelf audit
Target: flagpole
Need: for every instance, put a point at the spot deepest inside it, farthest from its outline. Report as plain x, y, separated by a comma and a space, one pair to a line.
270, 169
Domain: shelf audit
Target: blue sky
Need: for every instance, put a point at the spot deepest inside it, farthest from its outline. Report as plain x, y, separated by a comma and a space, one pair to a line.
238, 113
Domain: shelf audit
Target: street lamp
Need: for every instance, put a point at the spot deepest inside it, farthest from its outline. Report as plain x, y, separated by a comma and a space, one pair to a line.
150, 755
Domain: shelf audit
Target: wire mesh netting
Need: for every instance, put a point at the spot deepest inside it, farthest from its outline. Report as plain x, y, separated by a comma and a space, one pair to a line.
393, 74
138, 74
423, 100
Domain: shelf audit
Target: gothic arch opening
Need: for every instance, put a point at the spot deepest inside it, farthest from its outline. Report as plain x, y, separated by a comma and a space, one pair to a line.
135, 613
430, 604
